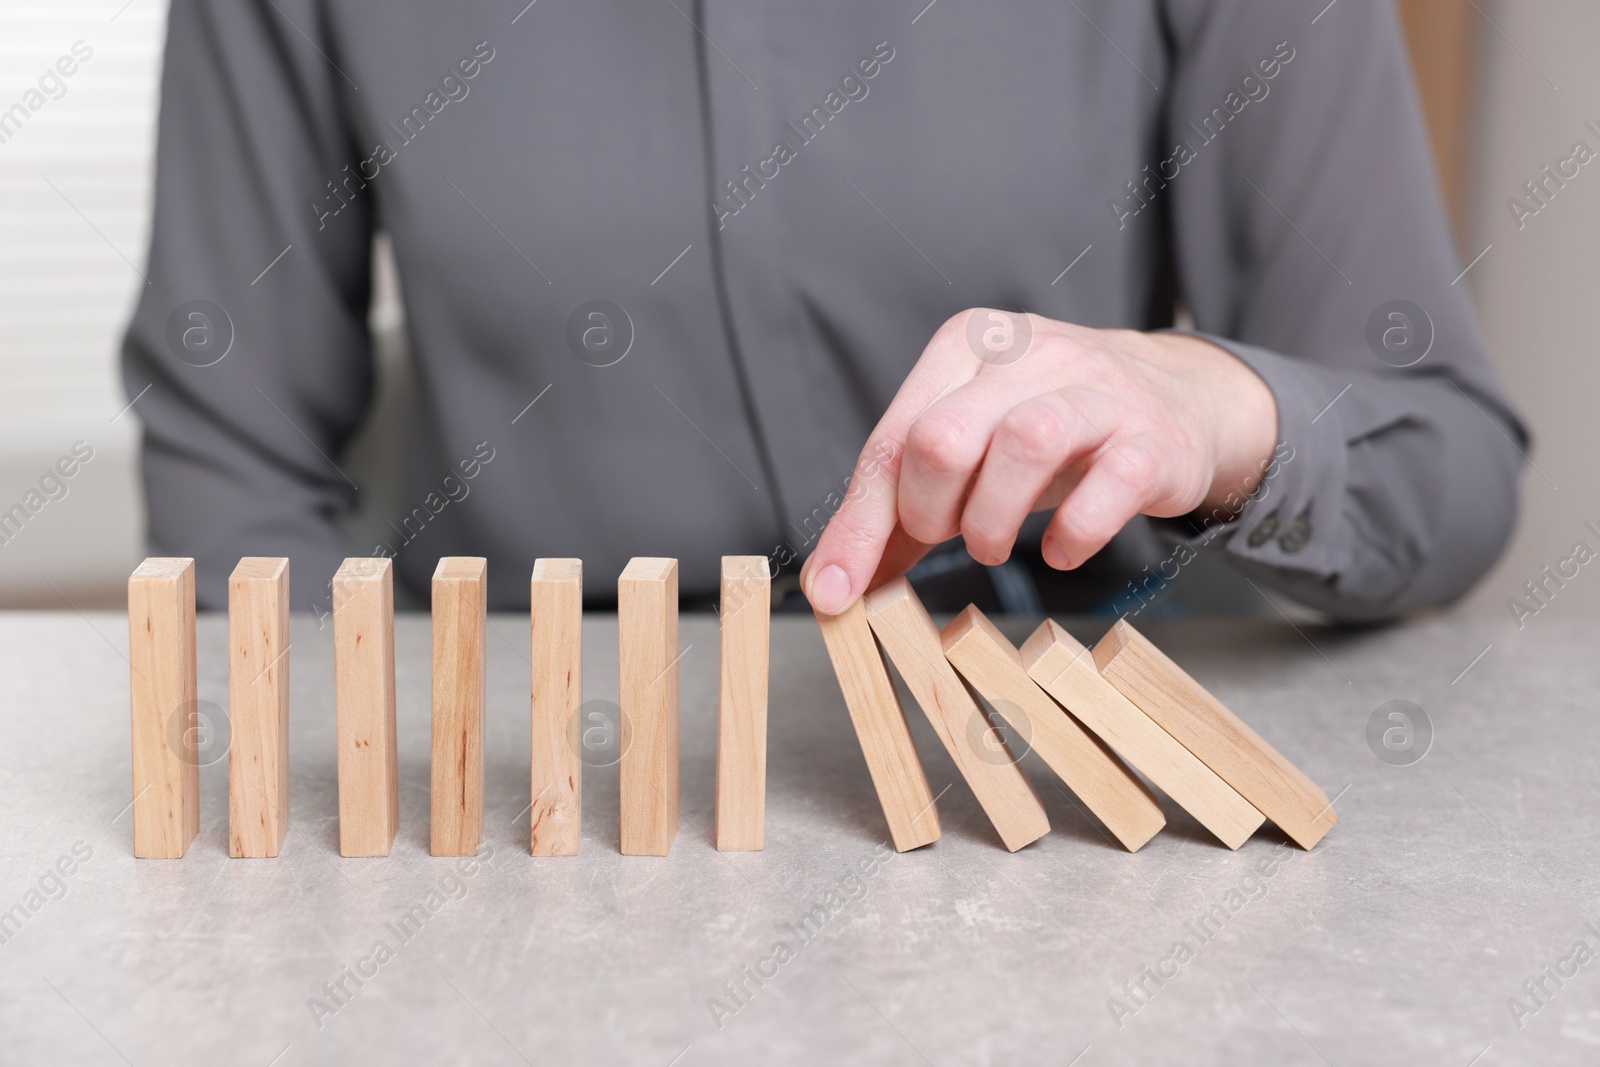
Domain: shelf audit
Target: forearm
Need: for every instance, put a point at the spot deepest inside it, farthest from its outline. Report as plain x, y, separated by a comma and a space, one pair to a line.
1388, 492
248, 352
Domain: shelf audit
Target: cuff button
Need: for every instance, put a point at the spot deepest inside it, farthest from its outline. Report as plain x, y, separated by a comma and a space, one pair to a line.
1263, 531
1298, 535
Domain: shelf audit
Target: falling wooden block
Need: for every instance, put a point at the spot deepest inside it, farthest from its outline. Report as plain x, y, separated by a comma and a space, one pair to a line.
1182, 707
162, 705
1065, 669
363, 688
460, 603
909, 636
647, 654
258, 706
555, 624
992, 664
881, 727
745, 629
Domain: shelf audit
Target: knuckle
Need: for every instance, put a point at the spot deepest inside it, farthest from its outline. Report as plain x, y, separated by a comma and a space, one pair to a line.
942, 443
956, 325
880, 456
846, 533
1136, 466
852, 538
1032, 433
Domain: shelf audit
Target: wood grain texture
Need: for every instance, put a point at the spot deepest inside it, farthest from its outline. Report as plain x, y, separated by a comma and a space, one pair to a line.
258, 706
363, 688
908, 634
745, 625
162, 706
647, 652
881, 727
460, 602
555, 623
993, 665
1064, 668
1181, 706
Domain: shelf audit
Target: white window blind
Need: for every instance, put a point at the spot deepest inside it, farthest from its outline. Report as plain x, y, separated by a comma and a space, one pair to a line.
75, 169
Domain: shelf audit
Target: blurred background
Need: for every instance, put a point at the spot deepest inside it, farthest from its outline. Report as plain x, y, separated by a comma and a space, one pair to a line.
1507, 87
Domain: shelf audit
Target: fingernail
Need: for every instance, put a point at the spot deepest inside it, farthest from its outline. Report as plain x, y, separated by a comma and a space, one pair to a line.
830, 589
1050, 549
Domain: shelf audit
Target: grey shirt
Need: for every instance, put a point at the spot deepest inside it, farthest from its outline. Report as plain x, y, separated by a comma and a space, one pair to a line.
712, 238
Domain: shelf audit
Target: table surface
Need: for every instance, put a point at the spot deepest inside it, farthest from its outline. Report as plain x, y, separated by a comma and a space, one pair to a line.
1401, 938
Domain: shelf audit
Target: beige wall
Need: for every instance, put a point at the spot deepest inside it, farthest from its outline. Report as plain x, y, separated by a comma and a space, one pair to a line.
1538, 288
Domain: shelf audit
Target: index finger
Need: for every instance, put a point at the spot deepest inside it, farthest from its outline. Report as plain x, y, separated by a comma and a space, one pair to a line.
852, 545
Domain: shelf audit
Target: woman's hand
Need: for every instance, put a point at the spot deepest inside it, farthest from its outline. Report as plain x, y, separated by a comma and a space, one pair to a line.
1006, 414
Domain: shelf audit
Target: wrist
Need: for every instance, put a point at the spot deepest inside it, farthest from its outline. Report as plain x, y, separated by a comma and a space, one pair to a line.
1243, 415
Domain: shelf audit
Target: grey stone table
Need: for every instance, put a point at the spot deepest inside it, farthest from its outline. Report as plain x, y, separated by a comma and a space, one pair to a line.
1447, 888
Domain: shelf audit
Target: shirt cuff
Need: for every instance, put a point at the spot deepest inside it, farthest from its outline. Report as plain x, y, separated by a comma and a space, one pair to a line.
1291, 521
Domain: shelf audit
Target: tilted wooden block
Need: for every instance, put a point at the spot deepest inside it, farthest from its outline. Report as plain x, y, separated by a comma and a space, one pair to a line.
556, 779
745, 622
162, 706
1065, 669
363, 687
460, 602
647, 654
258, 706
993, 665
881, 727
909, 636
1181, 706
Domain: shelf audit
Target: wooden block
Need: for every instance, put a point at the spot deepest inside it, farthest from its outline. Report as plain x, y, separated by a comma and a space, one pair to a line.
745, 627
555, 624
647, 655
992, 664
460, 603
258, 706
1182, 706
363, 688
1065, 669
909, 636
162, 705
881, 727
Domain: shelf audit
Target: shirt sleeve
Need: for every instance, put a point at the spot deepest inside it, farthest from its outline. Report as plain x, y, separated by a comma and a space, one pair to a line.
248, 351
1309, 241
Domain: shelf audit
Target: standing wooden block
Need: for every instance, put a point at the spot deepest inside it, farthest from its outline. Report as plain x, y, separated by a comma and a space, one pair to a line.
992, 664
1182, 707
258, 706
881, 727
1065, 669
555, 598
363, 688
162, 705
647, 656
460, 603
908, 635
746, 623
